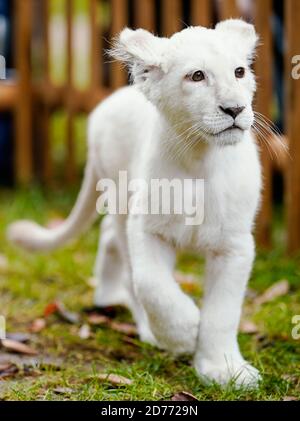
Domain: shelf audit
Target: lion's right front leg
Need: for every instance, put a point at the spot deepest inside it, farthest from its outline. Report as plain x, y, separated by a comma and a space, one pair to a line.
173, 316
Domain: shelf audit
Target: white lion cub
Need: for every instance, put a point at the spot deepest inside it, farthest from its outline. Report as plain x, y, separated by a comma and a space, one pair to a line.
188, 115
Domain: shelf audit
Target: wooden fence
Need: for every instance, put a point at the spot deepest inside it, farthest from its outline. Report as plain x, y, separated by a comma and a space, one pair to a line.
35, 99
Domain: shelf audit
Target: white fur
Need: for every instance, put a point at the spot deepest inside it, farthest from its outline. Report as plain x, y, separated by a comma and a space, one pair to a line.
145, 129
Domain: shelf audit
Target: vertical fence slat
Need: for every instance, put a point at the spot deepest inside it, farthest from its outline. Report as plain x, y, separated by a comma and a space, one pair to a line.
293, 123
145, 14
47, 170
264, 65
201, 12
229, 9
119, 21
70, 156
96, 46
23, 113
171, 16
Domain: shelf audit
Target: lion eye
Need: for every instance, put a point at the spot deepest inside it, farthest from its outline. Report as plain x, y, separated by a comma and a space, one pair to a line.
240, 72
197, 76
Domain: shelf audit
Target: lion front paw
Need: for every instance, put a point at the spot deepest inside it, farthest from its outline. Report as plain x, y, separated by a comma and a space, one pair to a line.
239, 372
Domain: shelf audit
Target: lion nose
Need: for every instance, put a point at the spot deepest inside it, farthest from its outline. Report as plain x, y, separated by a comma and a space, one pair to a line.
233, 111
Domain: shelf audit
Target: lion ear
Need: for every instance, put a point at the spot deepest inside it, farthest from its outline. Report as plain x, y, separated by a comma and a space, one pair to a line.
142, 53
139, 47
242, 30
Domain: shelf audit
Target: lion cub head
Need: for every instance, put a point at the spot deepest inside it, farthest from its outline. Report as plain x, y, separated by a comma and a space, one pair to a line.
200, 79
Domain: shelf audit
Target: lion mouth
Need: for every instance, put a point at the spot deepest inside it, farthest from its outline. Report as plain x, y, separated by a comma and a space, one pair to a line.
233, 127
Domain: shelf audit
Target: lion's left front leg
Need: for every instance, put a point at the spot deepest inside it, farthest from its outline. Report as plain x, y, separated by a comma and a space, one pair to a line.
218, 357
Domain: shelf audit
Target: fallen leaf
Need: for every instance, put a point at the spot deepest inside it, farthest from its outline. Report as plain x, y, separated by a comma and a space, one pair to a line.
127, 328
4, 265
58, 308
84, 332
247, 326
36, 362
115, 379
276, 290
67, 315
98, 319
63, 390
290, 398
183, 396
291, 378
18, 337
50, 309
8, 370
4, 365
18, 347
37, 325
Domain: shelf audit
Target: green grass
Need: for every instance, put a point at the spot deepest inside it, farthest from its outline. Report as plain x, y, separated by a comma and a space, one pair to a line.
33, 281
